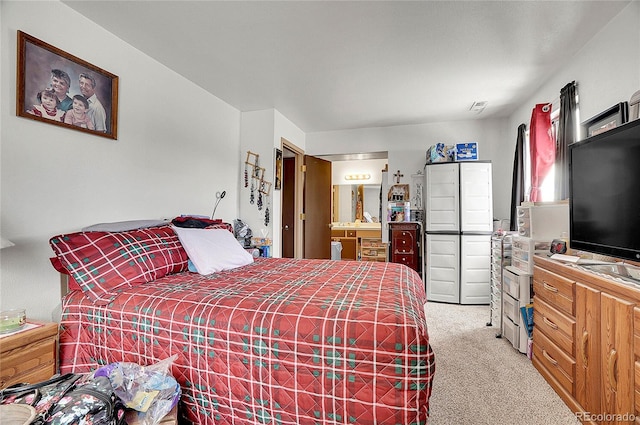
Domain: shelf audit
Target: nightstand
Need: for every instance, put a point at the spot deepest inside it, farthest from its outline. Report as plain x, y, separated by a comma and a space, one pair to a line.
30, 355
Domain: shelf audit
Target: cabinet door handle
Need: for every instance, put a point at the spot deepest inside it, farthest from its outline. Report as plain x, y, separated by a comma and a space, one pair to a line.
550, 323
549, 287
548, 357
585, 340
612, 363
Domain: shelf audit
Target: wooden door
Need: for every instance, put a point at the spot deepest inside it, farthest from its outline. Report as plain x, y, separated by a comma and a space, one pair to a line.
288, 207
617, 356
587, 349
317, 208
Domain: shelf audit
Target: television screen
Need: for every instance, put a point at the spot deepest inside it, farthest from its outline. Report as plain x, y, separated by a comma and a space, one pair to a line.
604, 186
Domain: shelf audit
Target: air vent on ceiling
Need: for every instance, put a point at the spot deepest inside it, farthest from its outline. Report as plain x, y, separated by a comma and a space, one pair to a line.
478, 106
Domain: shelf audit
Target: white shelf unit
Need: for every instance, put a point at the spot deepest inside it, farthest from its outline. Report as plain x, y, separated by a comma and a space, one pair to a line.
500, 258
516, 292
523, 250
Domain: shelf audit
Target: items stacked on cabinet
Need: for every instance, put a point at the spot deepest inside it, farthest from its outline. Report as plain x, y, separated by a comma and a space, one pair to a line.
586, 341
517, 289
406, 244
373, 249
458, 225
538, 225
500, 258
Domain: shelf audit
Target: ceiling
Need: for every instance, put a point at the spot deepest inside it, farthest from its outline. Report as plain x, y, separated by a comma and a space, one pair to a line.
336, 65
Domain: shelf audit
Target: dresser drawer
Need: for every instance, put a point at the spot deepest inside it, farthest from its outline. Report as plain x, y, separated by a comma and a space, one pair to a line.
408, 259
636, 339
559, 327
557, 362
403, 240
556, 290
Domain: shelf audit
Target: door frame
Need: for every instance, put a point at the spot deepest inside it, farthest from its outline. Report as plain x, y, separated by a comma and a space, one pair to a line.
298, 242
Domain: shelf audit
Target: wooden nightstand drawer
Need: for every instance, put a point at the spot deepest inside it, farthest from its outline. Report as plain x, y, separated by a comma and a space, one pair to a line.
29, 356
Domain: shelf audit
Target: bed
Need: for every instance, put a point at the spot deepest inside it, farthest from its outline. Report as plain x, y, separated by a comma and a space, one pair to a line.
281, 341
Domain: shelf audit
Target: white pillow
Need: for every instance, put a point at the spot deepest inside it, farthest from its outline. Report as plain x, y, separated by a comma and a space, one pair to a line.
212, 250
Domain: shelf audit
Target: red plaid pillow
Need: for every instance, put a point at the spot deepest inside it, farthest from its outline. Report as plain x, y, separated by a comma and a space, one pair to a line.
104, 263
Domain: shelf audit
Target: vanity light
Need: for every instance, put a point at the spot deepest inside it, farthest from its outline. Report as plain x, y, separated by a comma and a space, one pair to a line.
357, 177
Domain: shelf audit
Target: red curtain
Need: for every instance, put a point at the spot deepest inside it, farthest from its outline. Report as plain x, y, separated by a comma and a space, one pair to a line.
542, 147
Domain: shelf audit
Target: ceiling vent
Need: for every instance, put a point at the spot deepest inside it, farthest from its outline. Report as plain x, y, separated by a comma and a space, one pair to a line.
478, 106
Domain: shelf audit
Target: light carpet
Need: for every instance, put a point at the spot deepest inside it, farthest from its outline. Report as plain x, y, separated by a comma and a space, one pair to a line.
481, 379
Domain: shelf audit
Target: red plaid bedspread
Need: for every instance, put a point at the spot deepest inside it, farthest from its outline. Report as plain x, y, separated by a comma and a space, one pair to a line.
279, 341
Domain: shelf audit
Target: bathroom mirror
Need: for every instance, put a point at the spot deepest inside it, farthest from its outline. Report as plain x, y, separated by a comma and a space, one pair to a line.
350, 202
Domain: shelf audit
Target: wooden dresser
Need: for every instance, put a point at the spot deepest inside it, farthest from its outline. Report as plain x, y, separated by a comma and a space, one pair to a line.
29, 355
406, 244
586, 341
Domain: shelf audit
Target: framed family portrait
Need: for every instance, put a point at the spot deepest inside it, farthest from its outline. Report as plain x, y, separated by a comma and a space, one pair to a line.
58, 88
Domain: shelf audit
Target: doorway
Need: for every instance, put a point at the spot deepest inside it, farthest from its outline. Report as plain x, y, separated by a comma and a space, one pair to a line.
306, 213
291, 229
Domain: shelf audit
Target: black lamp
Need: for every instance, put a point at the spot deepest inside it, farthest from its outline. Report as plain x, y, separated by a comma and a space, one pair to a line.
219, 196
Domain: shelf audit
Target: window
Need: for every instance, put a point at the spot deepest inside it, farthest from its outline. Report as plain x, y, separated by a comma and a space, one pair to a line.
547, 188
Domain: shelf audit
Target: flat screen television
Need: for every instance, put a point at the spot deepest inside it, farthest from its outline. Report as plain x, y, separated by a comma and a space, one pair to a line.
604, 191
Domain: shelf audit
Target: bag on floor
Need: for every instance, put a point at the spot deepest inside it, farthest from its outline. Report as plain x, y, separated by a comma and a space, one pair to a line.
69, 399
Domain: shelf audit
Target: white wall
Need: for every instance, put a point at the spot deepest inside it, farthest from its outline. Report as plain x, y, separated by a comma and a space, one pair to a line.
607, 70
373, 167
177, 146
407, 147
261, 132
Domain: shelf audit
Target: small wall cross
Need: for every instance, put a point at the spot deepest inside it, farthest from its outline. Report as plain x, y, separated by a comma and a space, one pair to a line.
398, 176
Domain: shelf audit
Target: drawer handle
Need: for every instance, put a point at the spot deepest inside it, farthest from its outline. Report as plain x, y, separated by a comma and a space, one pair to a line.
549, 287
548, 357
585, 341
550, 323
612, 363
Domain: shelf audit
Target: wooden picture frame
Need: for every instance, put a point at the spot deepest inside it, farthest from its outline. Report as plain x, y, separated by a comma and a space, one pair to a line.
278, 177
606, 120
87, 96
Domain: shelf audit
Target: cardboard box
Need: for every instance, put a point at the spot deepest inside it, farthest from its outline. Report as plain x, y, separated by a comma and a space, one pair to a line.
467, 151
